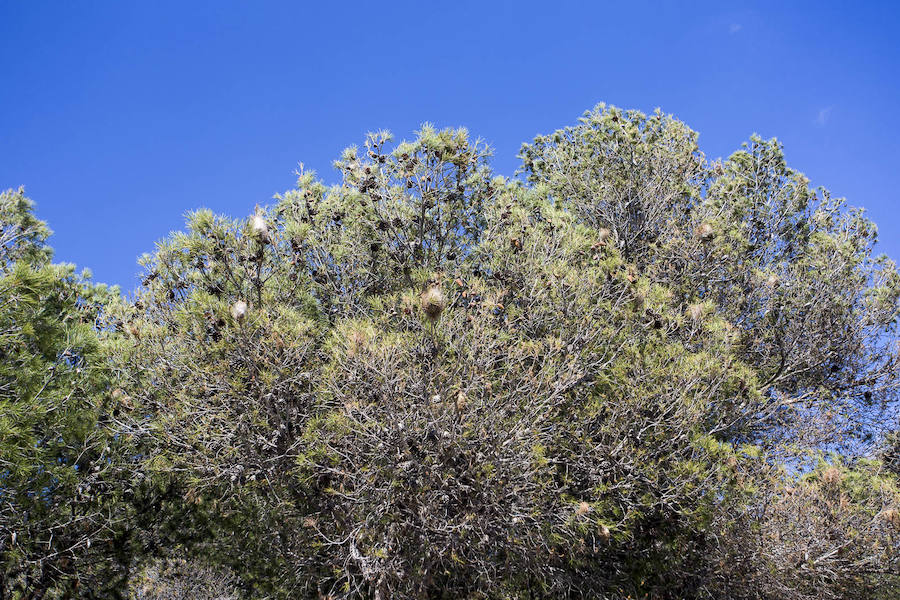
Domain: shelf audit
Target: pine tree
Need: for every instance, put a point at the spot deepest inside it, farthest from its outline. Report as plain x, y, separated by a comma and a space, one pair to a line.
61, 520
647, 355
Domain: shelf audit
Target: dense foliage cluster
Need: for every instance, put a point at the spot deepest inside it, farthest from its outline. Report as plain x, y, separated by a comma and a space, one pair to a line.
60, 513
632, 373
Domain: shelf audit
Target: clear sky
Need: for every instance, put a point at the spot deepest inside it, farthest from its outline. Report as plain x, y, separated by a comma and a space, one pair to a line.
118, 117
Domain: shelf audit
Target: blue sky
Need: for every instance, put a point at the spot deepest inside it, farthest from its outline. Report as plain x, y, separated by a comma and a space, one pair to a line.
119, 117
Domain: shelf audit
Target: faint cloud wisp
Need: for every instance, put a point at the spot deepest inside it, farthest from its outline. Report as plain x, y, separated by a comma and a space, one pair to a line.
734, 28
823, 115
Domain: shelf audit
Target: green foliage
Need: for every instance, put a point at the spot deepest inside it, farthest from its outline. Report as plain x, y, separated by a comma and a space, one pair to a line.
60, 482
636, 374
22, 236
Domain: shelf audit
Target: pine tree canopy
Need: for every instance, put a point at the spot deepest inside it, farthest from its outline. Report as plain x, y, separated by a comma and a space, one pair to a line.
625, 371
